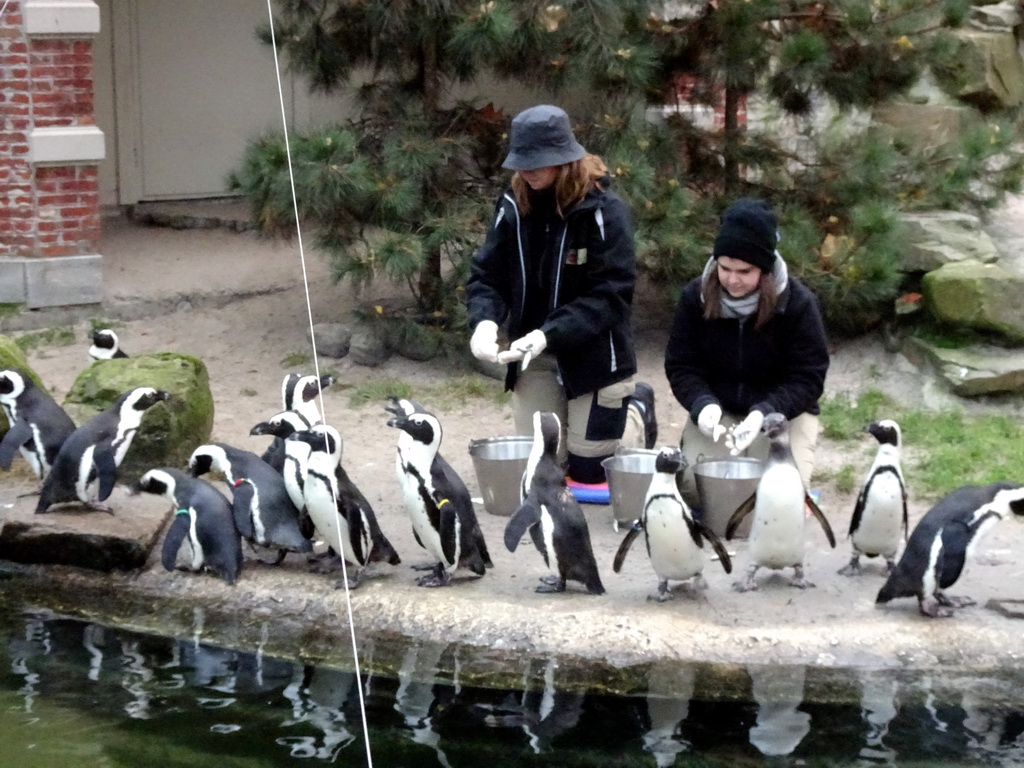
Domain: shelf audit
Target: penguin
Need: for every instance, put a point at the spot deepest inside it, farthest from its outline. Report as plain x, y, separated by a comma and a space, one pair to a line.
300, 393
339, 511
263, 512
880, 515
203, 518
105, 345
553, 516
436, 499
943, 541
280, 425
777, 535
86, 465
38, 426
675, 540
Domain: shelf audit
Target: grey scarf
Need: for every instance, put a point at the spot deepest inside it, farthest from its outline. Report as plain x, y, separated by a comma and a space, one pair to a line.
747, 305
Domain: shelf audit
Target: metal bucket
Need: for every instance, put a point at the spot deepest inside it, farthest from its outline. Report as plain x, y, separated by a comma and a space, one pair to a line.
629, 476
499, 463
724, 484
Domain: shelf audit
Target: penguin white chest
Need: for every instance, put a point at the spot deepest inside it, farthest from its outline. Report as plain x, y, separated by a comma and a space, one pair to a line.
777, 532
198, 555
414, 485
881, 518
323, 511
674, 555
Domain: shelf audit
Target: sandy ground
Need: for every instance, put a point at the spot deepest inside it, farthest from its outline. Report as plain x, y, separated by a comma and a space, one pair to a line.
244, 342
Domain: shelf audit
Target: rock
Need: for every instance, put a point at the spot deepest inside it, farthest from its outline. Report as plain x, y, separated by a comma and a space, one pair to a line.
937, 238
12, 356
987, 70
170, 430
974, 370
925, 125
368, 347
995, 17
985, 297
332, 339
414, 341
94, 540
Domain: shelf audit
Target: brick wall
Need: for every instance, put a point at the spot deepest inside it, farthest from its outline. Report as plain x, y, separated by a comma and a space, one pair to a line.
46, 209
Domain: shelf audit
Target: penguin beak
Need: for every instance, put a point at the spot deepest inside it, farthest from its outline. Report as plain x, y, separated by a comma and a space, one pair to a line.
262, 428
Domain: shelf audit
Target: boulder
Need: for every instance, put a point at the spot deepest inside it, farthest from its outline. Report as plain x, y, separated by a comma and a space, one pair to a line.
925, 125
937, 238
987, 70
12, 356
368, 347
974, 370
332, 339
970, 294
170, 430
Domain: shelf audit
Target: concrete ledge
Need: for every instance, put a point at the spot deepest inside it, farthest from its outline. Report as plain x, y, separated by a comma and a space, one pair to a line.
12, 281
66, 144
61, 17
63, 280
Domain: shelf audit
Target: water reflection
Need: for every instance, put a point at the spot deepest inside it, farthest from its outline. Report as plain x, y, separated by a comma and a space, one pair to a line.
112, 698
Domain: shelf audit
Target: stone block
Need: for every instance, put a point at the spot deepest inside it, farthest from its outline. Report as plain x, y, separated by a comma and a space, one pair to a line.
12, 281
936, 238
925, 125
974, 370
984, 297
63, 280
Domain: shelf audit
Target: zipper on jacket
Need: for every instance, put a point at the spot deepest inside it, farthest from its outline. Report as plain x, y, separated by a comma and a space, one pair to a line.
522, 255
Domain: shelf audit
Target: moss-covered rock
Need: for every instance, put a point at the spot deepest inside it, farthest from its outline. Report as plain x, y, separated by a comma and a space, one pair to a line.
170, 430
12, 356
984, 297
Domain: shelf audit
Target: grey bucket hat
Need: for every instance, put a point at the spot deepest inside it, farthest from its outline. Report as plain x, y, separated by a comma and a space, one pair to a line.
541, 136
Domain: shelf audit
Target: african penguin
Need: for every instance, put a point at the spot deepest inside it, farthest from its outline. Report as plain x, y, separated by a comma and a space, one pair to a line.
437, 501
263, 512
553, 516
86, 465
339, 511
880, 515
105, 345
944, 540
300, 393
280, 425
777, 534
675, 540
202, 517
38, 426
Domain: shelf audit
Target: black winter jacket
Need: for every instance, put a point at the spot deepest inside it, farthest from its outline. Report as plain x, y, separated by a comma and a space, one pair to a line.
780, 368
588, 324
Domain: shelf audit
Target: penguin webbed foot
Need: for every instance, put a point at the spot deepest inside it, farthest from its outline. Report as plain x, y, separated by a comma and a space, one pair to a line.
99, 506
354, 581
663, 595
748, 584
325, 563
950, 601
852, 568
799, 580
550, 585
934, 609
439, 577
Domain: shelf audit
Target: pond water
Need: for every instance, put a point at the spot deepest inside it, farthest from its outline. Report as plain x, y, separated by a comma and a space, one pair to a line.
86, 696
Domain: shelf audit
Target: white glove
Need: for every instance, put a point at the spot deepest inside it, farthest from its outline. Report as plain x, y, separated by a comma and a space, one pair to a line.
708, 421
743, 434
484, 341
525, 348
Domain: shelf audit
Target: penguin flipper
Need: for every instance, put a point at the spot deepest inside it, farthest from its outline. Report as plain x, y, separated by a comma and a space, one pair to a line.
106, 468
241, 508
741, 512
448, 530
858, 509
176, 534
716, 544
19, 434
627, 542
521, 520
816, 511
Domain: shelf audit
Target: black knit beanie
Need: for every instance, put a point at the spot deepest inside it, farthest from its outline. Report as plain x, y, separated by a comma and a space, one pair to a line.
748, 232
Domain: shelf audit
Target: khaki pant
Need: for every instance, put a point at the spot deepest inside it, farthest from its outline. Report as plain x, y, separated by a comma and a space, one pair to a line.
538, 388
803, 436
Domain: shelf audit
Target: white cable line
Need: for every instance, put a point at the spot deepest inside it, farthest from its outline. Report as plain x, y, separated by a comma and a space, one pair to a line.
316, 368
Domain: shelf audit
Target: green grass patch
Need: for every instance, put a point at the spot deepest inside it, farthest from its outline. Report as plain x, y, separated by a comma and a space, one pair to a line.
942, 450
10, 309
440, 397
296, 359
378, 391
63, 336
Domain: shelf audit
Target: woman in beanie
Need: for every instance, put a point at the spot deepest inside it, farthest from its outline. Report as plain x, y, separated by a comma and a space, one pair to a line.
558, 266
747, 340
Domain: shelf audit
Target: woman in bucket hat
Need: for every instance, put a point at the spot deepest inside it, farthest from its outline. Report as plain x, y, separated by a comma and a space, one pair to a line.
747, 339
559, 267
